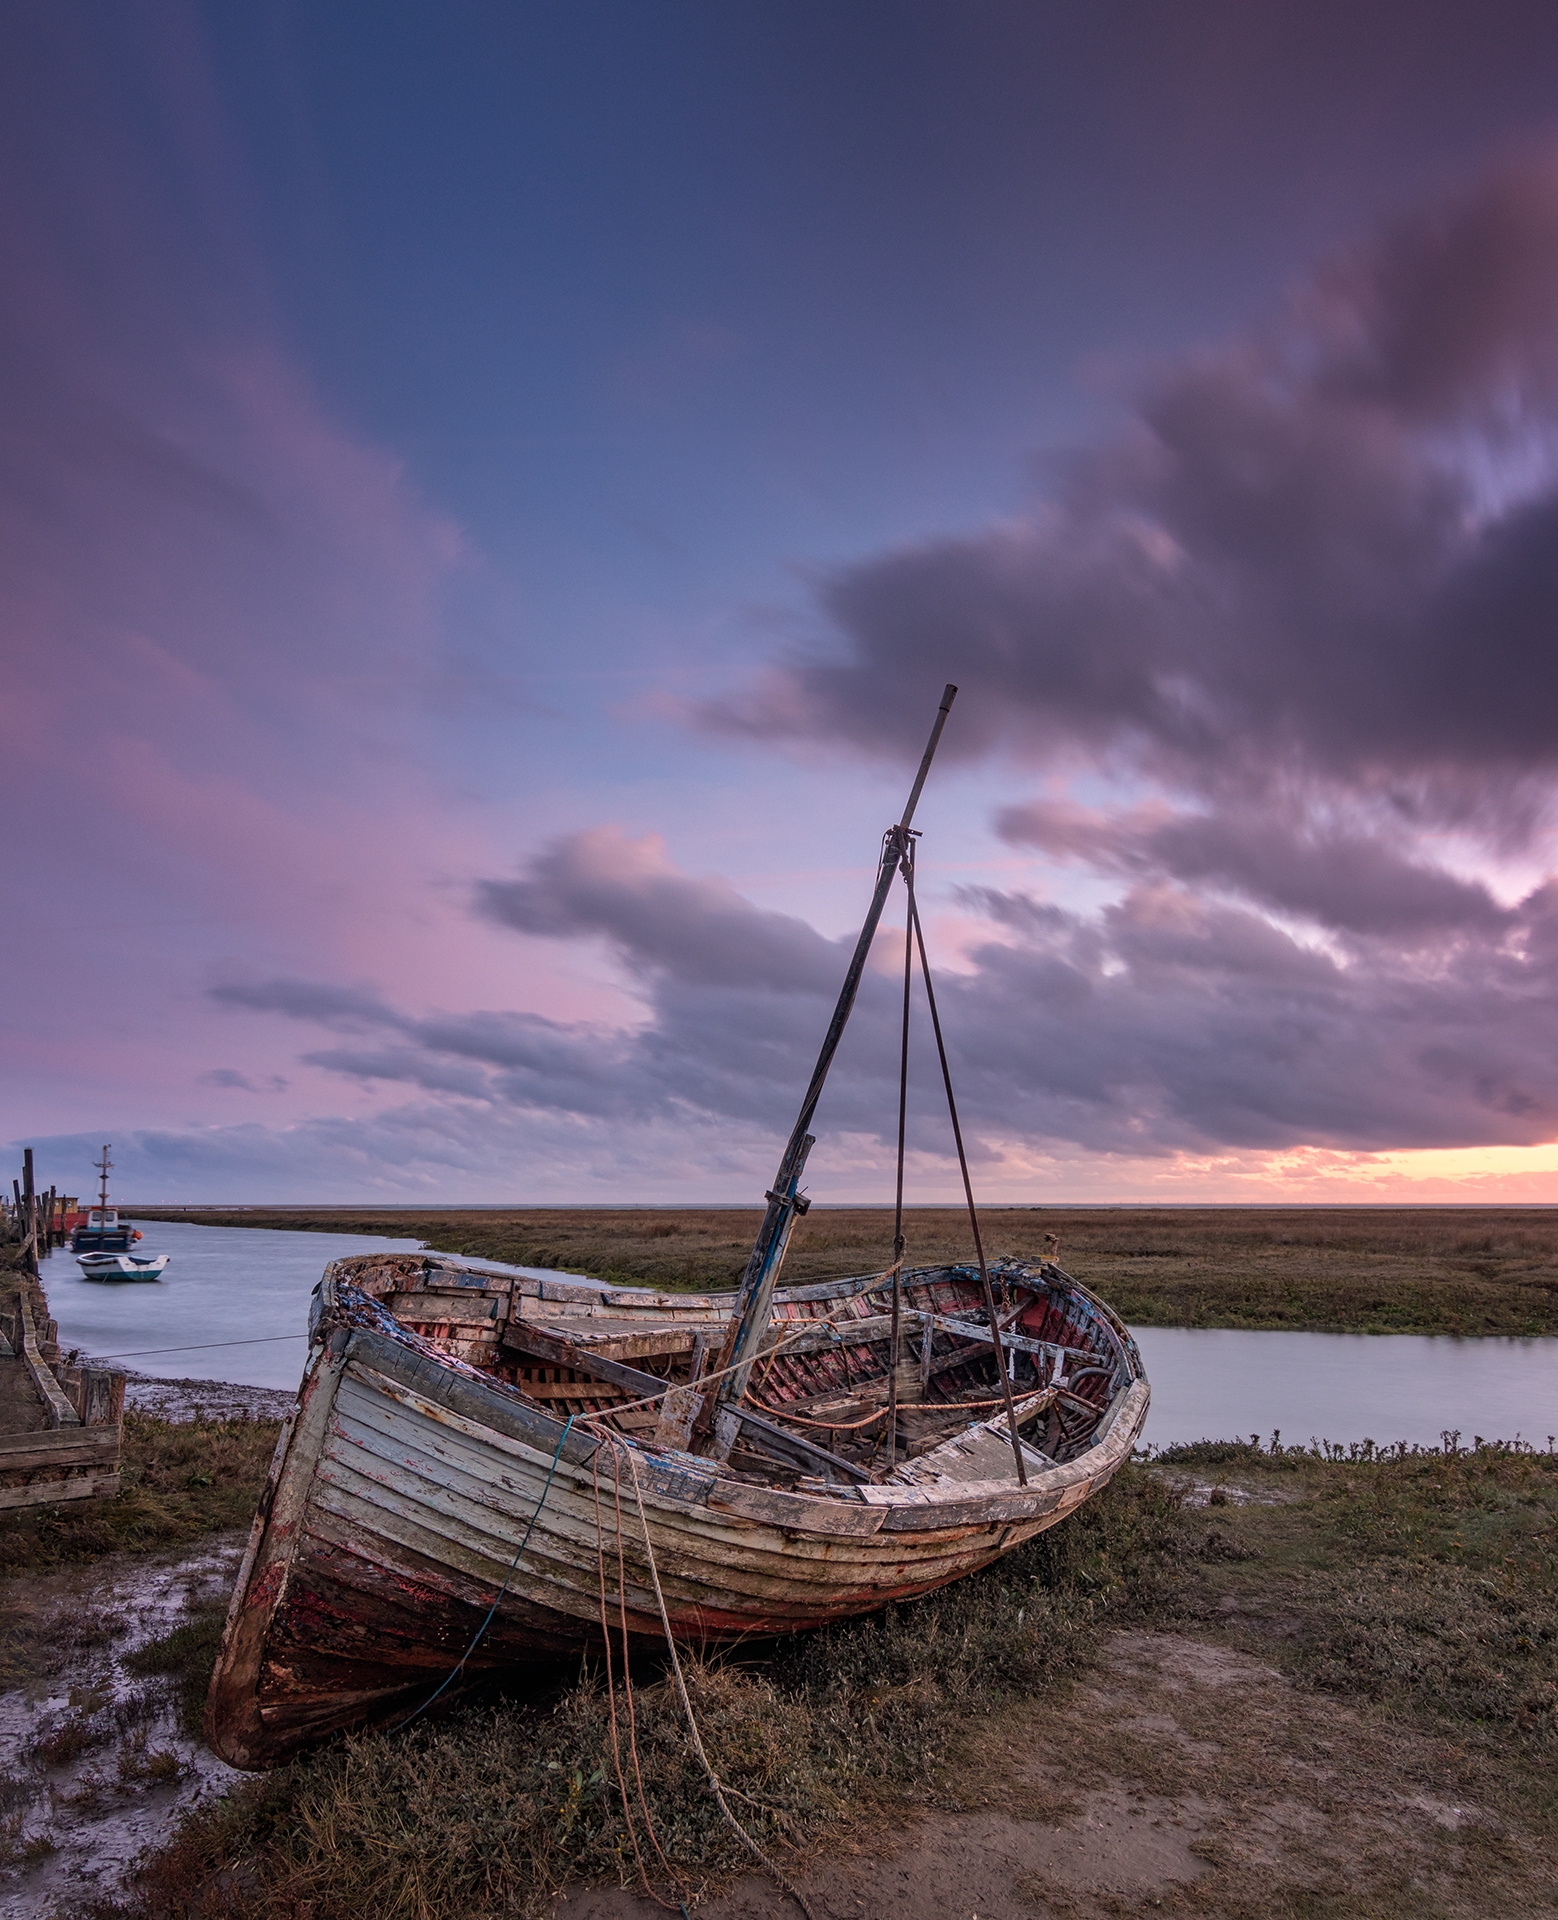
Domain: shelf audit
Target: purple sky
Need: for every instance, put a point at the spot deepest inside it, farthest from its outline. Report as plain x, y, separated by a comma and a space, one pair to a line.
489, 497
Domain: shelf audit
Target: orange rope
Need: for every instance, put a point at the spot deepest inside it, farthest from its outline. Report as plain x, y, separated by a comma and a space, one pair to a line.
611, 1688
849, 1426
622, 1604
829, 1426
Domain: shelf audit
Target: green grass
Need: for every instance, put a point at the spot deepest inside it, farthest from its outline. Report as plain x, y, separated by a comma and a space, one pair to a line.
179, 1480
1360, 1269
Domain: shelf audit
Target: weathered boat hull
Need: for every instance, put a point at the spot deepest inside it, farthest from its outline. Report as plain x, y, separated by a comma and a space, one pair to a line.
406, 1481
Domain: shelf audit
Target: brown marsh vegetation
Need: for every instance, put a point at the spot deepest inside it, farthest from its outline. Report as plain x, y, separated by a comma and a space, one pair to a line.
1359, 1269
1391, 1739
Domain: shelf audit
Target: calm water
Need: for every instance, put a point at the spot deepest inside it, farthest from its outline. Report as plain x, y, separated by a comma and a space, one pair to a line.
223, 1285
233, 1305
1347, 1386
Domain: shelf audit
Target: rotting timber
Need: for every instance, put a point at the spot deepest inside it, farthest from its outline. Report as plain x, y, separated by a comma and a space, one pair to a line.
61, 1425
481, 1469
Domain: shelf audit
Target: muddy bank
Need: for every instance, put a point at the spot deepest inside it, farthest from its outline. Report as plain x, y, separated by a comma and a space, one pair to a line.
182, 1400
97, 1759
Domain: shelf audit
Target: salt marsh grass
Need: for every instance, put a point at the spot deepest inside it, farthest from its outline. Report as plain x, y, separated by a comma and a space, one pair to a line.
1319, 1270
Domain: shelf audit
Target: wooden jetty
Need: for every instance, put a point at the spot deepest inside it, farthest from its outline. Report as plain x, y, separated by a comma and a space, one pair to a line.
61, 1425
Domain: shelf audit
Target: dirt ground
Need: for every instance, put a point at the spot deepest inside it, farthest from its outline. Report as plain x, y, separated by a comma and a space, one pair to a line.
1198, 1771
1191, 1778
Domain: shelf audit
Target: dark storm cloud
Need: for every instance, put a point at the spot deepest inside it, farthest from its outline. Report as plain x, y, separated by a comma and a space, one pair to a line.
1311, 598
1164, 1023
654, 917
1327, 550
1351, 882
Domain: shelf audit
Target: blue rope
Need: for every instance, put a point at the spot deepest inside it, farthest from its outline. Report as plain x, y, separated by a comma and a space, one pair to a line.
518, 1555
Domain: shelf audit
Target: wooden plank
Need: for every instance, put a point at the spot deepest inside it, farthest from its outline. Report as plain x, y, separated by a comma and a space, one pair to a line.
797, 1512
93, 1443
574, 1390
490, 1407
61, 1412
468, 1308
466, 1280
583, 1292
978, 1337
790, 1446
563, 1353
48, 1493
796, 1338
658, 1344
673, 1421
985, 1510
78, 1454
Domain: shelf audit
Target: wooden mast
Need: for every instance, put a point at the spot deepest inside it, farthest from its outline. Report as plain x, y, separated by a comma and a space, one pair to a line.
715, 1431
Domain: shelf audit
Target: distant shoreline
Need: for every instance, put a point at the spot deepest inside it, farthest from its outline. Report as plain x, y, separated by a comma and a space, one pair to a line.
178, 1210
1462, 1271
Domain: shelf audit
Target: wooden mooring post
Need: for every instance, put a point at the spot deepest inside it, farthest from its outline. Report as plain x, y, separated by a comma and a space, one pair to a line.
61, 1425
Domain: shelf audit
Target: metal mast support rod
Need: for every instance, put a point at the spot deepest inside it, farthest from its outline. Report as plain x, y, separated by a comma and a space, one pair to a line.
968, 1191
749, 1323
903, 1115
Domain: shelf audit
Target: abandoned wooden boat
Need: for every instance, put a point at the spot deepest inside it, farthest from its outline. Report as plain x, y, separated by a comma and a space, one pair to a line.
483, 1469
437, 1402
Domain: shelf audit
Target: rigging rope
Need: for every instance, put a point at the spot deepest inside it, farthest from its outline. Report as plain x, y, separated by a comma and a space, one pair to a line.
906, 863
627, 1682
968, 1188
780, 1878
481, 1630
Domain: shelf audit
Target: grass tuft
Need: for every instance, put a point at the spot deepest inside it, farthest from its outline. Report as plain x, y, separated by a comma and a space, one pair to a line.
188, 1653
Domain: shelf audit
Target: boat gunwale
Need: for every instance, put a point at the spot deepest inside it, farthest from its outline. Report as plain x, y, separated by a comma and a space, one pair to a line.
659, 1465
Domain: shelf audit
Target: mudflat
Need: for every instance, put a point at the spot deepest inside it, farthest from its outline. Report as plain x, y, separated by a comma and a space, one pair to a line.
1451, 1270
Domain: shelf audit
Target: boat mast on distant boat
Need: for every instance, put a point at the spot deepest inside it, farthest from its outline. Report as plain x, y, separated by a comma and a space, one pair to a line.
102, 1245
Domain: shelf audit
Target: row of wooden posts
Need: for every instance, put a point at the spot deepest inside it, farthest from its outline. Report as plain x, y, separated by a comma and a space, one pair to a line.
39, 1218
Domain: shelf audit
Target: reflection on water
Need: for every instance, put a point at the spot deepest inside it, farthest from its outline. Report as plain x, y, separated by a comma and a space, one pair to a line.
1347, 1386
238, 1297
